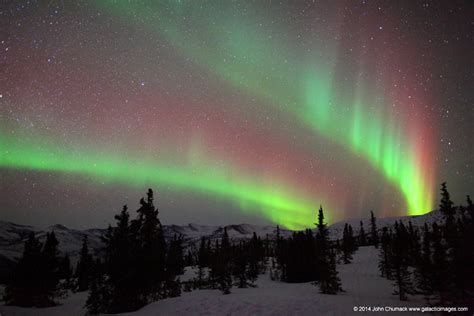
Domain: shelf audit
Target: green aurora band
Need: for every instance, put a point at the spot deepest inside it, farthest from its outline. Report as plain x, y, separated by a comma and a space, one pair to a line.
268, 200
303, 84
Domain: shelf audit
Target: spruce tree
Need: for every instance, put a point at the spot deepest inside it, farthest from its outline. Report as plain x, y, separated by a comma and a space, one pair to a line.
50, 269
402, 280
400, 259
352, 239
469, 232
332, 283
25, 288
281, 255
174, 267
220, 265
301, 259
385, 266
337, 246
65, 270
35, 282
346, 245
99, 296
440, 277
122, 259
464, 259
224, 280
329, 282
84, 266
413, 245
172, 287
462, 268
362, 238
424, 268
214, 266
151, 269
240, 266
94, 303
202, 262
175, 258
268, 249
470, 208
203, 253
255, 256
135, 268
373, 230
446, 206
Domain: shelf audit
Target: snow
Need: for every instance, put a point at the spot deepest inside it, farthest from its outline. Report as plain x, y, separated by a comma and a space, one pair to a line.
190, 273
13, 236
73, 305
336, 230
361, 281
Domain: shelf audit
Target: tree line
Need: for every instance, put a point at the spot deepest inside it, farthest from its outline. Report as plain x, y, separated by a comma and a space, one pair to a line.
303, 257
436, 261
225, 264
140, 266
306, 257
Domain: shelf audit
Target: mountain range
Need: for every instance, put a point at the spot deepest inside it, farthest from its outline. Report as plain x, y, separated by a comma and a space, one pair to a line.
13, 236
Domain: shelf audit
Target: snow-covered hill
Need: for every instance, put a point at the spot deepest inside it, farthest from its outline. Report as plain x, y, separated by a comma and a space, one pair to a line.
361, 280
12, 236
337, 229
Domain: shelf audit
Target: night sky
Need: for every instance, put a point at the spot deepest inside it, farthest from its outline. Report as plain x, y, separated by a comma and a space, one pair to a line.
249, 111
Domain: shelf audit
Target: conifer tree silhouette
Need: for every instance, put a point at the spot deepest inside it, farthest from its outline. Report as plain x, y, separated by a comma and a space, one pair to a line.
329, 282
223, 264
84, 265
385, 266
24, 288
36, 278
424, 268
400, 259
373, 230
362, 238
347, 247
65, 270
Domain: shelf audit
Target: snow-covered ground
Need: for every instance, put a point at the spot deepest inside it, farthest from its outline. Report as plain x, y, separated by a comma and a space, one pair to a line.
361, 281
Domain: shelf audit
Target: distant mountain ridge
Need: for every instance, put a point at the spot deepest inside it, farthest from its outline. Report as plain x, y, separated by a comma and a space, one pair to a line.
13, 236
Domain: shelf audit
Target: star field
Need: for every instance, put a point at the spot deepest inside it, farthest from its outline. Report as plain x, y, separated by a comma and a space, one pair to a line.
234, 112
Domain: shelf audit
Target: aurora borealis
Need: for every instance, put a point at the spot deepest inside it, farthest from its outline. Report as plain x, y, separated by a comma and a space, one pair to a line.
233, 111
